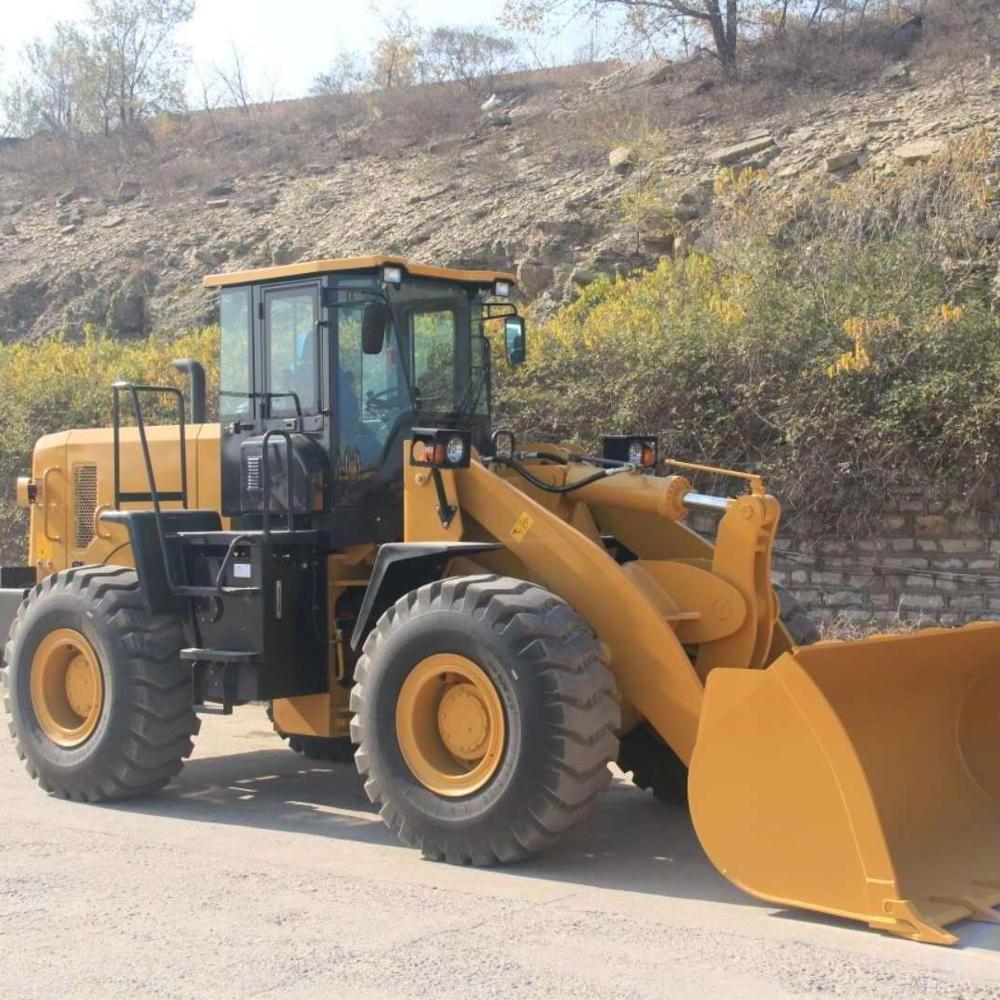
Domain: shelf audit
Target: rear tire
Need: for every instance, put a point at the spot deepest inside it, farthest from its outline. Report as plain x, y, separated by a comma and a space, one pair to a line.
802, 629
336, 749
653, 765
143, 720
550, 703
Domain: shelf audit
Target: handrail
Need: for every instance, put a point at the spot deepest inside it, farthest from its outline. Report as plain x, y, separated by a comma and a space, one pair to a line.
755, 481
45, 504
266, 476
154, 493
156, 497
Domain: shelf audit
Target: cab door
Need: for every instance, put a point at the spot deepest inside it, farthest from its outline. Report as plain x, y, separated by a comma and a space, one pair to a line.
293, 357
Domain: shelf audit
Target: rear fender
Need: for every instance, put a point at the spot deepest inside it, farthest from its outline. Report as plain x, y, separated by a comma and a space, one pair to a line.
403, 566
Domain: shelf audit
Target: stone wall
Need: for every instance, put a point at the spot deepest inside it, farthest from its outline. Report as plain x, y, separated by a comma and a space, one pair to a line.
928, 562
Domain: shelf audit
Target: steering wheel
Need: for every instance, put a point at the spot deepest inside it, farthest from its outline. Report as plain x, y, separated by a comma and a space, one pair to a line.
386, 400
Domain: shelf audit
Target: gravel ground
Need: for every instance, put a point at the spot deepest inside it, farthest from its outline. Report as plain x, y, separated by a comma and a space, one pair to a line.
258, 874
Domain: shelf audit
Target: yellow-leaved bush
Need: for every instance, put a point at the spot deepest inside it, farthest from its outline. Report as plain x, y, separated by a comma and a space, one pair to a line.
830, 340
58, 383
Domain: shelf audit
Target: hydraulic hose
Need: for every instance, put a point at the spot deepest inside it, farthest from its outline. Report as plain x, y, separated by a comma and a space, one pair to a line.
548, 487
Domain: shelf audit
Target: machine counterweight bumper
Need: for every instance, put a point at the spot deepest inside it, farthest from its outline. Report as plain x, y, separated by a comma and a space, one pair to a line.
860, 779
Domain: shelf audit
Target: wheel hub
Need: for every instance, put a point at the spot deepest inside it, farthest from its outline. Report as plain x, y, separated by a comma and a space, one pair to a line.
450, 724
463, 722
67, 688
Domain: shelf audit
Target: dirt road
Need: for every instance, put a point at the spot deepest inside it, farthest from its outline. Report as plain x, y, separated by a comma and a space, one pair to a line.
258, 874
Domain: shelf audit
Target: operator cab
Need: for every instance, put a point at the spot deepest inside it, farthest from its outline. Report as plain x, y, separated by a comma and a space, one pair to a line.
340, 360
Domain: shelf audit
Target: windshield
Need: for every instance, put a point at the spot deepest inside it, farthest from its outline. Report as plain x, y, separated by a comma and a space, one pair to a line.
430, 366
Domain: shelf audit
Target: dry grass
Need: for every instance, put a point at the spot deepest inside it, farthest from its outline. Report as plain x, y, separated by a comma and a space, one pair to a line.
179, 153
960, 30
848, 629
192, 152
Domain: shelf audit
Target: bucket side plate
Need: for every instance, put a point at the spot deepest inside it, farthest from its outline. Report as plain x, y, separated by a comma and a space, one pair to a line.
859, 779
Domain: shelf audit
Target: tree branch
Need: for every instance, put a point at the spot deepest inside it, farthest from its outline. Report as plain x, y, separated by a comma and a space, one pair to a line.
670, 6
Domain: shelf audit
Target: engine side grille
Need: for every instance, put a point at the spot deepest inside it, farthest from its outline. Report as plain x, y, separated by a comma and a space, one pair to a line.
253, 479
84, 504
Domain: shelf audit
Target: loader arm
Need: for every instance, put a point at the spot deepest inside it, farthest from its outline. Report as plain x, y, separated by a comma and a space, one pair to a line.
658, 605
857, 779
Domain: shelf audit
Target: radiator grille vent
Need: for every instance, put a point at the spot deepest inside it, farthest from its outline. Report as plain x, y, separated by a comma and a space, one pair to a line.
253, 477
84, 503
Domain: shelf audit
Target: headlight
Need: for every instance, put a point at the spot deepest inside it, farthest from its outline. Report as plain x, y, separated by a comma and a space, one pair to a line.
501, 289
635, 450
441, 448
455, 451
392, 275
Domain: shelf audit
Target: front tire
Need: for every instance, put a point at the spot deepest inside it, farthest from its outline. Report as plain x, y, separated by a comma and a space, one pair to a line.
485, 717
98, 701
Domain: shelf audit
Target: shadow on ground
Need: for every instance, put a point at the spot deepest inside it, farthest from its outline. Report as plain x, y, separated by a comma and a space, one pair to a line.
632, 842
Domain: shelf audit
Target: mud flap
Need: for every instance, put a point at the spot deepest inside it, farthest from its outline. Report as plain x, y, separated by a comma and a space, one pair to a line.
860, 779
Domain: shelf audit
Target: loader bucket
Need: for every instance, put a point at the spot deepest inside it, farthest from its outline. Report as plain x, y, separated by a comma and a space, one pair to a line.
860, 779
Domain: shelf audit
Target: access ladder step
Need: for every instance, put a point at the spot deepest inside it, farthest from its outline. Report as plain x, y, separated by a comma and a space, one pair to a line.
196, 655
224, 677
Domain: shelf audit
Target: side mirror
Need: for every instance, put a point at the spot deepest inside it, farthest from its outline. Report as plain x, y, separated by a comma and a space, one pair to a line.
373, 327
514, 342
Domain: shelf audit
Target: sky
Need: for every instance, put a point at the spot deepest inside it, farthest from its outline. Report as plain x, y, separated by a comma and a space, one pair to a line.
286, 42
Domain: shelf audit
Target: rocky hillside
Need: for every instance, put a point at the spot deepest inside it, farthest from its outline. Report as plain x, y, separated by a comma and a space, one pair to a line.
562, 175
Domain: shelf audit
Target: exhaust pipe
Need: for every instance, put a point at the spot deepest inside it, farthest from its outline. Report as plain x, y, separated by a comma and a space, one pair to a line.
196, 376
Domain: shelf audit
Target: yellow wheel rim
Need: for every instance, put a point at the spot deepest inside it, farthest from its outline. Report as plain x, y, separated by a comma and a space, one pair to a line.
450, 725
67, 689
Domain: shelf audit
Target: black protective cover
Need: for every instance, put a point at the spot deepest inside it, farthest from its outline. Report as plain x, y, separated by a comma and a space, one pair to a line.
403, 566
146, 552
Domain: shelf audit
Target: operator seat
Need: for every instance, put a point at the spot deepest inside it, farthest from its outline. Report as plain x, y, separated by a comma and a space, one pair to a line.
354, 434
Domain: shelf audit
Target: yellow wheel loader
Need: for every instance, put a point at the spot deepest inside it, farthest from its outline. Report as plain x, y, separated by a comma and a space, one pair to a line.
485, 624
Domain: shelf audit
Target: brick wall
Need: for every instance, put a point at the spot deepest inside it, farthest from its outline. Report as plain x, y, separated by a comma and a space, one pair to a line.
927, 561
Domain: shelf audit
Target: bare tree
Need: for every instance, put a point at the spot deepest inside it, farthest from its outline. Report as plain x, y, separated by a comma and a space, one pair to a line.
474, 57
719, 19
50, 96
231, 78
120, 64
348, 74
137, 64
397, 59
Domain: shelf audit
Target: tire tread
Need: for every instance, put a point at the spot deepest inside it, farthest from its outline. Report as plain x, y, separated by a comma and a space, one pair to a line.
160, 716
584, 714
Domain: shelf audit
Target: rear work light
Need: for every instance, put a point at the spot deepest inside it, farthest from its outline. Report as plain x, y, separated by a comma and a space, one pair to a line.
639, 450
392, 275
503, 444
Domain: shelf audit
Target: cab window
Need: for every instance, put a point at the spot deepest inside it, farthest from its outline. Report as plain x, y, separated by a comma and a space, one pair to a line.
292, 338
236, 361
433, 338
371, 389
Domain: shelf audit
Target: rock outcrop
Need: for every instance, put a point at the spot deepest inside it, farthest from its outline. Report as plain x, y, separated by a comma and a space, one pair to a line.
537, 191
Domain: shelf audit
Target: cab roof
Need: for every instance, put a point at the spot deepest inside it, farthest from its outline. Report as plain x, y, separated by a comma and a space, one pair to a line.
310, 267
